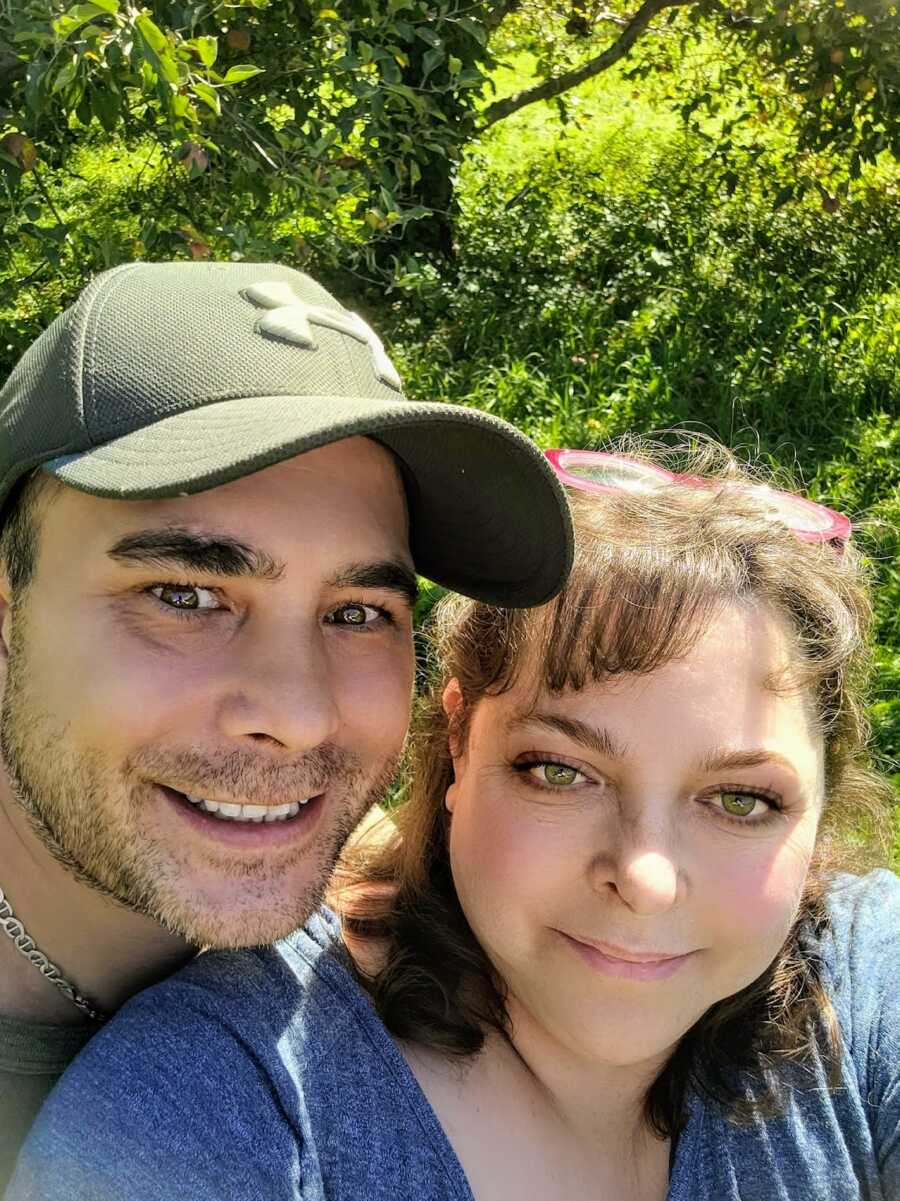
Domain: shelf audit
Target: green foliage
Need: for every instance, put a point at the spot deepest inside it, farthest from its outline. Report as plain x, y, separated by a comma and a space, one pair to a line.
611, 287
351, 121
606, 278
262, 104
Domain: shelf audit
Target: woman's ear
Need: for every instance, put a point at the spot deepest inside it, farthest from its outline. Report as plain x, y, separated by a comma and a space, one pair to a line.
451, 699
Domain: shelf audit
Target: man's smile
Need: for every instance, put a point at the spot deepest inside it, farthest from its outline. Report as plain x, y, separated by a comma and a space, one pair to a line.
246, 825
229, 811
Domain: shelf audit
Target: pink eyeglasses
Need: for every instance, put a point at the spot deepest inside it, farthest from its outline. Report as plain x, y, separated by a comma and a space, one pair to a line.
595, 471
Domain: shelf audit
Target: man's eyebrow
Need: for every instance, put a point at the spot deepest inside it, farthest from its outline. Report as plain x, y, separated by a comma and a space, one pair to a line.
388, 574
597, 739
723, 759
207, 553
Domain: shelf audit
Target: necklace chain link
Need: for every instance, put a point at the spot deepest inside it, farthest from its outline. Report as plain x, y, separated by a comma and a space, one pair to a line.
25, 945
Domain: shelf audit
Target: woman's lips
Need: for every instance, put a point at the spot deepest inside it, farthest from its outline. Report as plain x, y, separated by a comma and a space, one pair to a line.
624, 963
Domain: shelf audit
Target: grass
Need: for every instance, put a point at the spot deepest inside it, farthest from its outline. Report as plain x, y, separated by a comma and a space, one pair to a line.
606, 283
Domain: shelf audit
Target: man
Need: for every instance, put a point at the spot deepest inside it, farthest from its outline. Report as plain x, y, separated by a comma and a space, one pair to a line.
215, 498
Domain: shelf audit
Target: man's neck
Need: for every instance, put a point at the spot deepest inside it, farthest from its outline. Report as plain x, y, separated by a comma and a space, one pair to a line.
107, 952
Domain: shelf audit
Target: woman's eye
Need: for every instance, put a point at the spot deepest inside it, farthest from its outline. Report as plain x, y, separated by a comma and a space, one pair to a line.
356, 616
558, 775
743, 804
183, 596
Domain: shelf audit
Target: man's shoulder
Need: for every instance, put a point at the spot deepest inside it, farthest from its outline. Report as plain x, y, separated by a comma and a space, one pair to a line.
246, 987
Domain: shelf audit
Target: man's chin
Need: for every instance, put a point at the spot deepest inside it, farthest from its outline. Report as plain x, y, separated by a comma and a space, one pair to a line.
231, 913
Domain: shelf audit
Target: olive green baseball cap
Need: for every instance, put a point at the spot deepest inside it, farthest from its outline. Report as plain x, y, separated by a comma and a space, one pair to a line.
165, 379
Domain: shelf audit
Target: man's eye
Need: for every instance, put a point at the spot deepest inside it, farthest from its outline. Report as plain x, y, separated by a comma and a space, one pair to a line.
357, 616
183, 596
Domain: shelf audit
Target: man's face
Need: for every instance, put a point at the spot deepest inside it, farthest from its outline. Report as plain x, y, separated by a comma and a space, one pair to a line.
246, 646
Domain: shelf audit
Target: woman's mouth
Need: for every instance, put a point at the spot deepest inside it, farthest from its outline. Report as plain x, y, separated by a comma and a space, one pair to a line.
626, 964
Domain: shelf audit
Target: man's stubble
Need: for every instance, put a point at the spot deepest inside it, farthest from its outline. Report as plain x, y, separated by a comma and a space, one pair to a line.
88, 814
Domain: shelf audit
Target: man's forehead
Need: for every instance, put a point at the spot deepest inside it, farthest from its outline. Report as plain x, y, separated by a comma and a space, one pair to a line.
346, 497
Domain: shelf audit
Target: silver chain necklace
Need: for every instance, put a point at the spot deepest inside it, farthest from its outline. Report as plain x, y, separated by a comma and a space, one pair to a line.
25, 944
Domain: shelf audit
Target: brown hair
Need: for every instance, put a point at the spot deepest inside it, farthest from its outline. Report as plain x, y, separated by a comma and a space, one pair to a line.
19, 523
650, 571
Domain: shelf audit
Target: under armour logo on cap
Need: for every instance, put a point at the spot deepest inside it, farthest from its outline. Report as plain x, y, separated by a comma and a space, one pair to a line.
291, 319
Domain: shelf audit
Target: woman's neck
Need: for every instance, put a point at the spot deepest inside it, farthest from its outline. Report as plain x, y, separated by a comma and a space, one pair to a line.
600, 1104
527, 1118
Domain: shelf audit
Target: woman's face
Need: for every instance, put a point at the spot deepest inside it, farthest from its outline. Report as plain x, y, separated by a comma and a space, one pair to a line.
629, 854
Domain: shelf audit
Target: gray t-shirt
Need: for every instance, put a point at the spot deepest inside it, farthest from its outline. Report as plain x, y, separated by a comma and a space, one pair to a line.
33, 1056
266, 1075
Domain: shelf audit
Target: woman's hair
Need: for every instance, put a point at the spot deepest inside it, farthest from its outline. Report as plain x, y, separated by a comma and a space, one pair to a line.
651, 571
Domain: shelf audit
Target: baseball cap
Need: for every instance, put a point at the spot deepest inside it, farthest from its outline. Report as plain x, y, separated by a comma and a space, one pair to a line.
164, 379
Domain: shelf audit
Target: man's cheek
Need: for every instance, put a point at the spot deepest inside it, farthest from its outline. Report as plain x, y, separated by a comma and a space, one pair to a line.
374, 699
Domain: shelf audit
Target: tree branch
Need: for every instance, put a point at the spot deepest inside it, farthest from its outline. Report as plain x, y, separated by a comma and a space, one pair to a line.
497, 13
570, 79
11, 71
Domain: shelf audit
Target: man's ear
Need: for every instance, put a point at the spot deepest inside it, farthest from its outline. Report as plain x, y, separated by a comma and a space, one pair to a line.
5, 618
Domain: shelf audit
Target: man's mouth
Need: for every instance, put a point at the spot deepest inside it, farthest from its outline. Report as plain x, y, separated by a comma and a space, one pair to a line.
228, 811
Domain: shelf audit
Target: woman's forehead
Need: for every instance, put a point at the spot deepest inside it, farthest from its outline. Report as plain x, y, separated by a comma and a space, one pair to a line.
733, 675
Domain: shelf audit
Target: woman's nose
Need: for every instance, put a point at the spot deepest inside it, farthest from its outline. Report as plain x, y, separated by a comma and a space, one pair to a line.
639, 862
647, 880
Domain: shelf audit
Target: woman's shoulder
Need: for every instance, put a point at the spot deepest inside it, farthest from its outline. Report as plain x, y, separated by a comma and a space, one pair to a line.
859, 942
860, 951
863, 923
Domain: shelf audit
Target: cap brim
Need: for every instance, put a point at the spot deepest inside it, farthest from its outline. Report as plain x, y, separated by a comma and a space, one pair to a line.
488, 516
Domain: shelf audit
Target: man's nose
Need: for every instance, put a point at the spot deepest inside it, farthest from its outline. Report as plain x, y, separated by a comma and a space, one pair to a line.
281, 692
642, 868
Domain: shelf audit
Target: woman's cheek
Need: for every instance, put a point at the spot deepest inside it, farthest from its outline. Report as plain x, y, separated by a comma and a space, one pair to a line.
506, 864
752, 900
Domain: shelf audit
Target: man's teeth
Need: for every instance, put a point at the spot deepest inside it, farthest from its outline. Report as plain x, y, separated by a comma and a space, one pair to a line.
228, 812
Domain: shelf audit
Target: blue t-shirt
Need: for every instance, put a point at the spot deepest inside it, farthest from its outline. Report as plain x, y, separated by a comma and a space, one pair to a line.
265, 1075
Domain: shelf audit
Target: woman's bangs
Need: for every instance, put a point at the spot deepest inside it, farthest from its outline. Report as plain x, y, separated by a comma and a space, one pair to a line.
630, 624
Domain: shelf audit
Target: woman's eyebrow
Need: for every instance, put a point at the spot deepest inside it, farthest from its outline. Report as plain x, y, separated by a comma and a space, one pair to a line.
722, 758
596, 738
208, 553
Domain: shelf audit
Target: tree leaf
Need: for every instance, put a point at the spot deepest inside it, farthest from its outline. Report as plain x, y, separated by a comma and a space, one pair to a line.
65, 76
474, 29
207, 49
241, 72
783, 196
34, 86
210, 97
106, 106
77, 16
430, 60
152, 34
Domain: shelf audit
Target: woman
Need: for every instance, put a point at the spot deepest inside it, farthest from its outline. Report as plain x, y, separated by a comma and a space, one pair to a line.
608, 952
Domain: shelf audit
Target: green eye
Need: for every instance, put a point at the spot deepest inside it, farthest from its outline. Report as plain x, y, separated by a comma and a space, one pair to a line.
179, 598
739, 804
354, 615
559, 773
